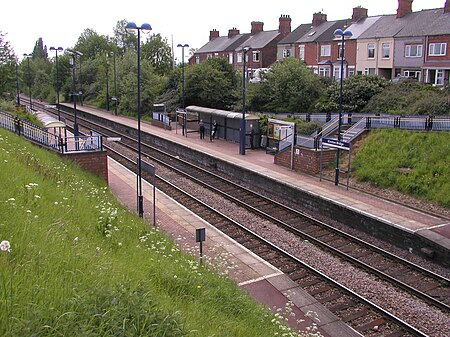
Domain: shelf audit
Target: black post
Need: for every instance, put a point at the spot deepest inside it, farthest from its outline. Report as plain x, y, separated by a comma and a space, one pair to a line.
115, 84
140, 196
107, 84
28, 78
242, 134
336, 177
17, 84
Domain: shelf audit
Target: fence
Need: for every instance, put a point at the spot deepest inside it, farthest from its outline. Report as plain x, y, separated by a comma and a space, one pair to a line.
48, 139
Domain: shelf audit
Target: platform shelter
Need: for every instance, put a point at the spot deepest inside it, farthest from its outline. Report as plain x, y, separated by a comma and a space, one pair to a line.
228, 123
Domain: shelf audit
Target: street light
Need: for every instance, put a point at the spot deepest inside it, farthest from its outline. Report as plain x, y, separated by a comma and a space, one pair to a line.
182, 82
74, 94
130, 27
339, 34
57, 77
115, 83
107, 84
28, 78
242, 134
17, 83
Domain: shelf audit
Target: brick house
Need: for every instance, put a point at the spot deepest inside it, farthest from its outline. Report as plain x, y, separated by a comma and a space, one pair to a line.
262, 45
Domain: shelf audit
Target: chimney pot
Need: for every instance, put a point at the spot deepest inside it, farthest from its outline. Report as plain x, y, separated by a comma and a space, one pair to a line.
257, 26
213, 34
359, 13
318, 18
285, 25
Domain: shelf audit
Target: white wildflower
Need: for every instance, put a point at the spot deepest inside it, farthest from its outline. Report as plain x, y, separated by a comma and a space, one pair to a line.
5, 246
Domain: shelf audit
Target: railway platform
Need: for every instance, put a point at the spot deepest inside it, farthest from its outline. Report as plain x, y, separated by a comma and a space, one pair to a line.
264, 282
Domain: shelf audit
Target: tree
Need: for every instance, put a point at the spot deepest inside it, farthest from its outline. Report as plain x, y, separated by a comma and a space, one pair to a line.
7, 68
90, 43
290, 87
212, 83
356, 93
39, 50
157, 50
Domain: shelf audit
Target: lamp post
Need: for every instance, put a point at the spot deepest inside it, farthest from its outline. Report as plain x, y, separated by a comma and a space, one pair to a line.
74, 54
339, 34
28, 78
57, 78
115, 83
131, 26
182, 46
242, 134
107, 84
17, 83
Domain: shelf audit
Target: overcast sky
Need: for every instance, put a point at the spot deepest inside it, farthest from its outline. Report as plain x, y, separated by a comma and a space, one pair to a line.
60, 23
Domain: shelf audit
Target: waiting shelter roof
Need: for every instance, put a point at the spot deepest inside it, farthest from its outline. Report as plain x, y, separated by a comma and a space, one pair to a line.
49, 121
221, 113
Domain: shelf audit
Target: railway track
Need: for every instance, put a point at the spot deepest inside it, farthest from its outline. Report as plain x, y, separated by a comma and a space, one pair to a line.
426, 285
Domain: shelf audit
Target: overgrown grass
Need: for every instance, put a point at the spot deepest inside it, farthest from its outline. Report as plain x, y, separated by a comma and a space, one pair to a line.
81, 265
417, 163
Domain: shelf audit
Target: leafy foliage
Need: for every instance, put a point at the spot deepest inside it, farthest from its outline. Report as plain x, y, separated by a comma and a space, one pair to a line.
410, 98
7, 68
212, 83
356, 92
288, 87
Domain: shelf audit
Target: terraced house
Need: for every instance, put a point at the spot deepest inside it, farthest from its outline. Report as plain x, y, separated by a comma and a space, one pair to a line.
406, 44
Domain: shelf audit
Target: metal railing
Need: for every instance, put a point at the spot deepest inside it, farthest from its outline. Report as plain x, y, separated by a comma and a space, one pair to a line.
48, 139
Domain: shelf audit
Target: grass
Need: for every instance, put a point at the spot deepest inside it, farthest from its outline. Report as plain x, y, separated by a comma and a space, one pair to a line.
416, 163
81, 265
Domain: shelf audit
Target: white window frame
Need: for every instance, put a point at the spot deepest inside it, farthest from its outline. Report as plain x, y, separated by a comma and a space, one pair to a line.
337, 73
369, 71
370, 47
437, 49
197, 59
256, 56
411, 48
230, 58
325, 50
239, 58
286, 53
324, 71
351, 71
386, 50
209, 56
301, 52
415, 74
439, 77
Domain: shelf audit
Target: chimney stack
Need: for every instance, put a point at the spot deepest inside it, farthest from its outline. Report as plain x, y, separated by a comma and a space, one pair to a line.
359, 13
285, 25
447, 7
233, 32
318, 18
404, 7
257, 26
213, 34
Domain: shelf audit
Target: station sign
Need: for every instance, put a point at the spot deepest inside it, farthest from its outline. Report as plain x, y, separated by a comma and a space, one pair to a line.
334, 143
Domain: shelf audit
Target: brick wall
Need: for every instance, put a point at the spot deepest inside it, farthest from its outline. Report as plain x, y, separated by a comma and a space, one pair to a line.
305, 160
93, 162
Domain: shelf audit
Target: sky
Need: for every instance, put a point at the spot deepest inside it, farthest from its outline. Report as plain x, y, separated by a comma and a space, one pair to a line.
60, 23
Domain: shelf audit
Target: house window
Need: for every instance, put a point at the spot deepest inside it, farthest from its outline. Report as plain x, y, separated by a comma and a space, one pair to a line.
325, 50
439, 77
340, 51
351, 71
437, 49
369, 71
371, 50
324, 72
230, 58
256, 56
386, 50
286, 53
337, 73
209, 56
197, 59
413, 50
239, 58
412, 74
301, 52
